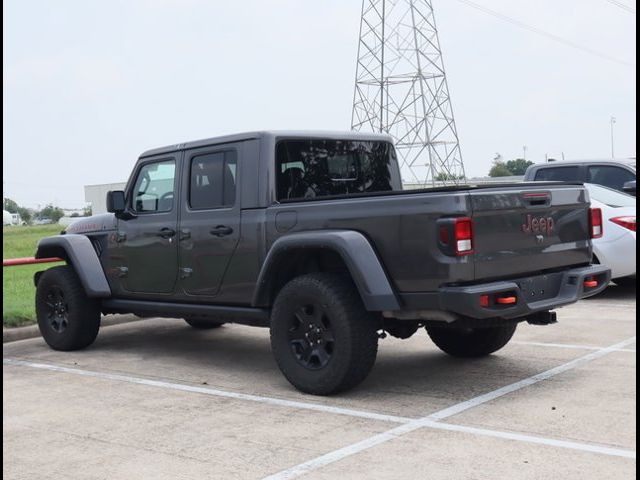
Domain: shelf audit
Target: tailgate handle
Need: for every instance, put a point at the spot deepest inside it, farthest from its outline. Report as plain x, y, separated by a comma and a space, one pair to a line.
536, 199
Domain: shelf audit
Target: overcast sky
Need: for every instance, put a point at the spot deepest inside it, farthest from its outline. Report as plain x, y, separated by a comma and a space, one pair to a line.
88, 85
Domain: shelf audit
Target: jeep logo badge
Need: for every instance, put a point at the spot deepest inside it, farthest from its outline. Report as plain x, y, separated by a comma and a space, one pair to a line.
537, 225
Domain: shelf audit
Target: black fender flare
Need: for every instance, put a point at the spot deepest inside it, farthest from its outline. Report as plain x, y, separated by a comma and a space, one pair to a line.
355, 250
77, 251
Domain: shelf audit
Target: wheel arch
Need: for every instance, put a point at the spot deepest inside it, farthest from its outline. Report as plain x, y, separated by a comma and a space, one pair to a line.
78, 252
334, 250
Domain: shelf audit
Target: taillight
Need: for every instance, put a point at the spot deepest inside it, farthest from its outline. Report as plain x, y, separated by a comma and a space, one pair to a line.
463, 228
595, 222
627, 222
455, 235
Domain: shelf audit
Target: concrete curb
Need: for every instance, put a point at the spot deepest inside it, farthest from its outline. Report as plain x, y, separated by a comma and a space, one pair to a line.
31, 331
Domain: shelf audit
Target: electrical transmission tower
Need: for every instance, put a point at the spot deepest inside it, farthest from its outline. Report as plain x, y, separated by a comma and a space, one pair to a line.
401, 89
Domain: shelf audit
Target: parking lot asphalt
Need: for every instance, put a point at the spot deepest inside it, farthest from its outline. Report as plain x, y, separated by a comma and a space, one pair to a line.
157, 399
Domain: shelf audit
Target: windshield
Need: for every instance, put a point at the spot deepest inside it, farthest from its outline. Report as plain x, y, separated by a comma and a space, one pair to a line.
610, 197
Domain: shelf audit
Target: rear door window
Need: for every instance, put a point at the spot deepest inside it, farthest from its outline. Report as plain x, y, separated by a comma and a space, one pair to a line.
558, 174
213, 180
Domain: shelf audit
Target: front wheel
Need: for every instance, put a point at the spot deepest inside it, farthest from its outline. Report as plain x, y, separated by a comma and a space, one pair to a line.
471, 342
322, 338
67, 318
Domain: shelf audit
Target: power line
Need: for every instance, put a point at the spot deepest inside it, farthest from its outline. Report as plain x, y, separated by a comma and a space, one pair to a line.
544, 33
623, 6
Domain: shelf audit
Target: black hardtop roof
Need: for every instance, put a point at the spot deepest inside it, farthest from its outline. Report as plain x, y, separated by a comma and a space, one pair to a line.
269, 134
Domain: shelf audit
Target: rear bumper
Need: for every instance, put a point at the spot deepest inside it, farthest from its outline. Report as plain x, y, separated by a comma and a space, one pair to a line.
533, 294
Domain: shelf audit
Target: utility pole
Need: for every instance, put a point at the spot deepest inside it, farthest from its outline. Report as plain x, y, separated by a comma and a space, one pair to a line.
524, 152
612, 122
401, 89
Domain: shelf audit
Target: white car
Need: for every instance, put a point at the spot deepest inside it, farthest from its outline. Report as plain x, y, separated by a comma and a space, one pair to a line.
617, 246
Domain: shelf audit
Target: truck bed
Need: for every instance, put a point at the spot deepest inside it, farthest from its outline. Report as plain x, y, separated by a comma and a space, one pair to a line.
403, 229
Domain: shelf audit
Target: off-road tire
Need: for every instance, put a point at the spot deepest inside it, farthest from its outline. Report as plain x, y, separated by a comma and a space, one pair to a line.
202, 324
354, 344
471, 342
67, 318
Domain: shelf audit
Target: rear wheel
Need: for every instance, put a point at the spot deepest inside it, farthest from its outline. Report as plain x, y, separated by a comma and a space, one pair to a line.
322, 338
471, 342
67, 318
203, 324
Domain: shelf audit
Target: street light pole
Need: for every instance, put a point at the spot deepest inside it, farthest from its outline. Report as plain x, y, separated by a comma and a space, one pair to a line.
612, 122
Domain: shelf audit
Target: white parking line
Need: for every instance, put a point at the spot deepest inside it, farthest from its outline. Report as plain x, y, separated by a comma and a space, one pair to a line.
407, 425
584, 447
211, 391
569, 346
342, 453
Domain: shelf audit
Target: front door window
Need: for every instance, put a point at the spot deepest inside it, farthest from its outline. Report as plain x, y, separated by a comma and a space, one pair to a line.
153, 190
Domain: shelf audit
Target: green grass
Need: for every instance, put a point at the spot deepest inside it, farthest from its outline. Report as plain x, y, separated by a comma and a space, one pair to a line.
18, 292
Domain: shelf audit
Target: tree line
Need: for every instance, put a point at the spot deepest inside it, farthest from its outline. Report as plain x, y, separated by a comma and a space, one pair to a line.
50, 212
509, 168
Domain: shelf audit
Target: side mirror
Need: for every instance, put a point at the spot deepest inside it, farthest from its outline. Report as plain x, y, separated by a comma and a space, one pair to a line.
116, 202
630, 188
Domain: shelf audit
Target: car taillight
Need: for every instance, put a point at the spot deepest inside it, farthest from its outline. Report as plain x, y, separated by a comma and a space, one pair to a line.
595, 222
628, 222
463, 228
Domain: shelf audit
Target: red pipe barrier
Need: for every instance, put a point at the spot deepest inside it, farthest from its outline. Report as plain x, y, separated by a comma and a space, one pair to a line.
13, 262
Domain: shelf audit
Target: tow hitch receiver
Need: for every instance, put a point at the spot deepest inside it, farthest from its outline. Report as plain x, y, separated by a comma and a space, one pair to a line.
542, 318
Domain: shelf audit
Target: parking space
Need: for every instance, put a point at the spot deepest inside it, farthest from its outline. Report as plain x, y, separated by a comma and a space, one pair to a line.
157, 399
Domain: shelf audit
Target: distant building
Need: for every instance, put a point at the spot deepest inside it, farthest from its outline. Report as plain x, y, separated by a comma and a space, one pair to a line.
96, 195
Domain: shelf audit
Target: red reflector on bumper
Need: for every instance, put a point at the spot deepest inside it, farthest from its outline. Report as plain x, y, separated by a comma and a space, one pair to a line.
484, 300
590, 283
506, 300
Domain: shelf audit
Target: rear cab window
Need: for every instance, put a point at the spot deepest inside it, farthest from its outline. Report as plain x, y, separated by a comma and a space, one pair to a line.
316, 168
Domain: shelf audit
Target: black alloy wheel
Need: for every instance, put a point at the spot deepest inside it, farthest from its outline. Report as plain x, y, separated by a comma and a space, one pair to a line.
311, 336
57, 309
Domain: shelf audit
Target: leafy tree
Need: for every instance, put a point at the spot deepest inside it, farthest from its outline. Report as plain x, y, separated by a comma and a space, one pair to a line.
25, 214
444, 177
499, 169
10, 206
87, 211
518, 166
54, 213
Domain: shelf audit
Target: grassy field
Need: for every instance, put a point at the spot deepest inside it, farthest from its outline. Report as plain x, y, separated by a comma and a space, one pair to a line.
17, 282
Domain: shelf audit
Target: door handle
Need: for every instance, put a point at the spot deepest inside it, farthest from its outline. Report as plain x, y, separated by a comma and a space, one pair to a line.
166, 232
221, 231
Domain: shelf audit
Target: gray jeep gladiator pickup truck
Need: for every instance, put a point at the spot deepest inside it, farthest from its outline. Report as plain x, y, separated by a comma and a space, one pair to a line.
311, 235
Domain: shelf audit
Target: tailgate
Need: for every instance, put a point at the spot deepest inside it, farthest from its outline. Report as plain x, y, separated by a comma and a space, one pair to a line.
529, 228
